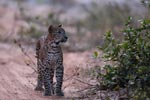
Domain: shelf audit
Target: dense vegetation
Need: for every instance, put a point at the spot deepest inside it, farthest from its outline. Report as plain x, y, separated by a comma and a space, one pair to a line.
130, 61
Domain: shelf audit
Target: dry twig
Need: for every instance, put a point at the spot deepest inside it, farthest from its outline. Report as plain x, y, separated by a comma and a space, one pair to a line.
26, 54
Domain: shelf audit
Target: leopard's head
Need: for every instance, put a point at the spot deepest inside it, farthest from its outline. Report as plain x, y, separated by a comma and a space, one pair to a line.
58, 33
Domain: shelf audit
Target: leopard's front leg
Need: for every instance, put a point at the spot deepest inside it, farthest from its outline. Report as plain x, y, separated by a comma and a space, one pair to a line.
47, 82
59, 80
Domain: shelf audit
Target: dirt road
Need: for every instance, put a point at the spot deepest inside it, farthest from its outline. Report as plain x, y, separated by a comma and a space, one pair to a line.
17, 80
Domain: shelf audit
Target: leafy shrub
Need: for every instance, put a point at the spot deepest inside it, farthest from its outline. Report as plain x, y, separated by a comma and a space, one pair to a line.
130, 61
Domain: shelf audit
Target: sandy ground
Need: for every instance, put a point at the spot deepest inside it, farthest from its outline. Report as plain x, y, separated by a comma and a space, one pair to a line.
17, 80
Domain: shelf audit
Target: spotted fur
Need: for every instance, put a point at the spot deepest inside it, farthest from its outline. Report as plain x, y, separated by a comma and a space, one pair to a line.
50, 61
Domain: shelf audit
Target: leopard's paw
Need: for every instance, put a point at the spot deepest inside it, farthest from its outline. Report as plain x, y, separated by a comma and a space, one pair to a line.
39, 89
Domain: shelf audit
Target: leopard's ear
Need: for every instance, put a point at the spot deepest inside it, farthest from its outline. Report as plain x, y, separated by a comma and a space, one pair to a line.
60, 25
50, 28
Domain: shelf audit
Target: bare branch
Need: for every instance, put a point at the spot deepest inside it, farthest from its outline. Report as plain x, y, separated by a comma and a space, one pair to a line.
26, 54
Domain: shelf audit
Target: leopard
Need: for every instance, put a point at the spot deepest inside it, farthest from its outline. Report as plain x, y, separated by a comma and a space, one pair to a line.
50, 61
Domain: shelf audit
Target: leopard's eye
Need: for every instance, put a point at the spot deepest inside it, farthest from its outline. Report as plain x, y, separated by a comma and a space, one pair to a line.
59, 32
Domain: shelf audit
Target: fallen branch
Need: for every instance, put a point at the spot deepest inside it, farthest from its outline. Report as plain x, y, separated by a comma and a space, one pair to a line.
87, 88
84, 82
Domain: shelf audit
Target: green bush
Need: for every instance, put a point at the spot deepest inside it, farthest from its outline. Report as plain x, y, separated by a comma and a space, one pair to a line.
130, 61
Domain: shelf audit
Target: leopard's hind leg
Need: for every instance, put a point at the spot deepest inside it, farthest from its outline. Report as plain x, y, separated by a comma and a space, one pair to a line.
39, 86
